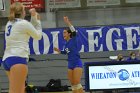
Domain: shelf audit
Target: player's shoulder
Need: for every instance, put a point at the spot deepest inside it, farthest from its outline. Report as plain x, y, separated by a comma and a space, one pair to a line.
18, 22
9, 23
23, 21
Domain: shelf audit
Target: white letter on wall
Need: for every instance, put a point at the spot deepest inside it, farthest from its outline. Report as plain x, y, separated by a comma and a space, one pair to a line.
130, 38
46, 43
92, 41
109, 38
55, 39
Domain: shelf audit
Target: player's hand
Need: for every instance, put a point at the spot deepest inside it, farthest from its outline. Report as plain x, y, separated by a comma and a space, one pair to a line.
33, 12
66, 20
56, 49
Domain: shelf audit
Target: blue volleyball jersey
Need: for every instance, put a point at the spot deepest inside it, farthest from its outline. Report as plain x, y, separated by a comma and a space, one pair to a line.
71, 48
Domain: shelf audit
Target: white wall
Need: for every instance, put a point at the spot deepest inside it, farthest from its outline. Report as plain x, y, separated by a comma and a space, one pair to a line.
104, 16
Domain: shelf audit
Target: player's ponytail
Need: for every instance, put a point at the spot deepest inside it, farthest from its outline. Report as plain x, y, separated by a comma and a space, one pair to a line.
12, 15
72, 34
16, 11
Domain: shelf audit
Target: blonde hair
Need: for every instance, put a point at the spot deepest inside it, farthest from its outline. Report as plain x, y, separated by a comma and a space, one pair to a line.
16, 10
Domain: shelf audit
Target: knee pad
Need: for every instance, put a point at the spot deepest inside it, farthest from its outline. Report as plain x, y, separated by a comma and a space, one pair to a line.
76, 87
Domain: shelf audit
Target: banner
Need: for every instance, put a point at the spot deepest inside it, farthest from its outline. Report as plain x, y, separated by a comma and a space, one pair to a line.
31, 3
102, 2
132, 1
63, 3
112, 75
118, 76
91, 39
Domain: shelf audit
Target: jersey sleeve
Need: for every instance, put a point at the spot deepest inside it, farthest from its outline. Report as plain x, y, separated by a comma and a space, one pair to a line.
72, 28
73, 31
35, 31
35, 22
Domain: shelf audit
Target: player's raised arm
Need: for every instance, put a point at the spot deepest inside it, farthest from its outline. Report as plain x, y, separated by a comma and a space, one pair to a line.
35, 17
35, 30
67, 21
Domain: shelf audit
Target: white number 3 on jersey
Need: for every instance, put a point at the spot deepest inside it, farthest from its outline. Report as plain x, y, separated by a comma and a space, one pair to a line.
8, 30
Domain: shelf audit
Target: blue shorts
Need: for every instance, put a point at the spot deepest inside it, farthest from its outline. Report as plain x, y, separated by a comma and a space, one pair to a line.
10, 61
74, 64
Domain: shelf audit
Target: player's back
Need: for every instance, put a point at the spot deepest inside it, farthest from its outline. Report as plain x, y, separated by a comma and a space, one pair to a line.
16, 33
16, 38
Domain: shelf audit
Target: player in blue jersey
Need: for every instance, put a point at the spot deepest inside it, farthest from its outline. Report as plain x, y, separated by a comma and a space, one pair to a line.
74, 61
17, 34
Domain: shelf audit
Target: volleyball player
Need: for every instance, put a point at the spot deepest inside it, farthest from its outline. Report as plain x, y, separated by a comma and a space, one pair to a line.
17, 34
74, 61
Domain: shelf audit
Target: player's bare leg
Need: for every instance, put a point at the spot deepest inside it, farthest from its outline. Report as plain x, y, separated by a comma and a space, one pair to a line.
18, 74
